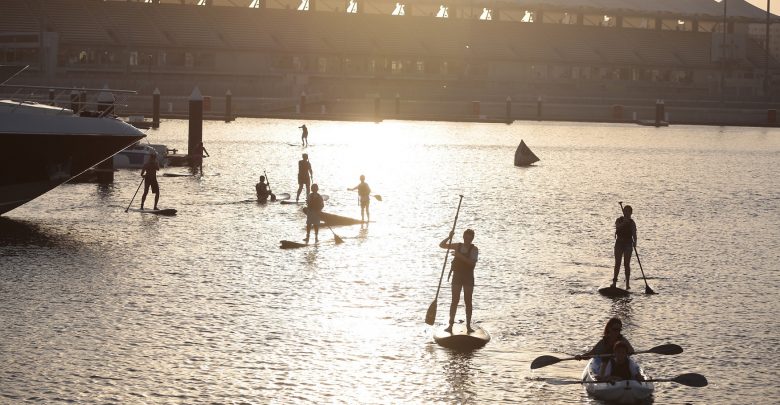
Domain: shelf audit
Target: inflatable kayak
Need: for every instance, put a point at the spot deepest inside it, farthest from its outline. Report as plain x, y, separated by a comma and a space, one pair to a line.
619, 392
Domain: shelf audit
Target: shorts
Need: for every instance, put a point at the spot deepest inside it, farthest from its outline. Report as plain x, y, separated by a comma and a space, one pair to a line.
463, 279
303, 179
313, 218
153, 184
624, 247
364, 202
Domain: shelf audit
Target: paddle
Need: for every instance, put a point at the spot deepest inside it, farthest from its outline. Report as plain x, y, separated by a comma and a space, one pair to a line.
544, 361
268, 183
687, 379
378, 197
335, 237
648, 290
430, 316
136, 193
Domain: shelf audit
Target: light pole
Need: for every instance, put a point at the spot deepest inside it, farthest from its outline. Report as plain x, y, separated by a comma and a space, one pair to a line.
766, 52
723, 57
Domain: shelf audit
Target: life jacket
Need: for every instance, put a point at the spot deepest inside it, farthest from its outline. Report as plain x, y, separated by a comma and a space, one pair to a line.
461, 267
625, 231
622, 372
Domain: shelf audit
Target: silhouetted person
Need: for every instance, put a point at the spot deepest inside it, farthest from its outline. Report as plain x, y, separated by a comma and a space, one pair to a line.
611, 336
199, 153
315, 204
620, 366
262, 190
625, 240
364, 196
305, 175
304, 135
464, 260
149, 173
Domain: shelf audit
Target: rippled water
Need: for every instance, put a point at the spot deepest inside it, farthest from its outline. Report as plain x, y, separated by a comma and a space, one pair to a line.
98, 305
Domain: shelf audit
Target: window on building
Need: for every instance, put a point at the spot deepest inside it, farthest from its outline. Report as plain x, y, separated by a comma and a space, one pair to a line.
399, 9
304, 6
133, 58
528, 17
487, 14
443, 12
352, 8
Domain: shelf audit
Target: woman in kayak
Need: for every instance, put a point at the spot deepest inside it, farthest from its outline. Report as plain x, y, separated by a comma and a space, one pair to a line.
465, 259
612, 335
619, 367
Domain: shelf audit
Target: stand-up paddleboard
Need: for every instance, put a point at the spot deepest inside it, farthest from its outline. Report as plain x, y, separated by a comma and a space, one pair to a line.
177, 175
167, 211
461, 340
613, 292
288, 244
325, 197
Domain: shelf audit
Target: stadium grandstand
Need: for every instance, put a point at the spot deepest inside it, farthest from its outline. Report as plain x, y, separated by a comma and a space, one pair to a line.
690, 51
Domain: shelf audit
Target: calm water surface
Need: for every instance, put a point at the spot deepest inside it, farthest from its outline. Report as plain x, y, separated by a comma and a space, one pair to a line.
102, 306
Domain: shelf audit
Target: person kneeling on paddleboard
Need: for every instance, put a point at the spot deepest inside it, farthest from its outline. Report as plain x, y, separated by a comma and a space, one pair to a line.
262, 190
465, 259
315, 204
612, 335
149, 173
619, 367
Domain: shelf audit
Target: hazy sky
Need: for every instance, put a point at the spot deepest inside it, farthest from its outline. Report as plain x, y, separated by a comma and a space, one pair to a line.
762, 5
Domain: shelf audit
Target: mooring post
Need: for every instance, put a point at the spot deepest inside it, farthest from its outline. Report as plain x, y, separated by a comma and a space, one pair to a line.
156, 108
228, 106
195, 136
508, 109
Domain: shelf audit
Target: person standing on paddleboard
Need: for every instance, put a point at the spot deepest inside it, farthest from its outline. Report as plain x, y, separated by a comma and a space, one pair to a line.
304, 135
149, 173
611, 336
305, 175
465, 259
625, 240
364, 195
199, 153
315, 204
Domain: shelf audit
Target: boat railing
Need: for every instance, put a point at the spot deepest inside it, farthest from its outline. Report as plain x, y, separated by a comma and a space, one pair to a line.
75, 99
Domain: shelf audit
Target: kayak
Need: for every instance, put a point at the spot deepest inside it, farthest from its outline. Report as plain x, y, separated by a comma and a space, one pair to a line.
334, 220
620, 392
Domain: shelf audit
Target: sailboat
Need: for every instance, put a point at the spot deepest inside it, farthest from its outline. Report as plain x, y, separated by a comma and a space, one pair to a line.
524, 156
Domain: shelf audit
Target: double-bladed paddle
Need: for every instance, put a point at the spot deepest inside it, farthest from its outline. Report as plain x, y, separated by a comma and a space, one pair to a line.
544, 361
687, 379
430, 316
648, 290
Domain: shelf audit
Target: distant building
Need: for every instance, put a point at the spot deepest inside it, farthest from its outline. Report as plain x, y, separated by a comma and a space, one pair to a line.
758, 33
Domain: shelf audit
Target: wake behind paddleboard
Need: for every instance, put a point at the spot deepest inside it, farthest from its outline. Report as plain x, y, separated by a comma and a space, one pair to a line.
613, 292
460, 339
167, 211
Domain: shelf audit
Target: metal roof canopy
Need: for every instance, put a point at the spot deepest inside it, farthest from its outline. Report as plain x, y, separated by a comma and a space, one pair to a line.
698, 9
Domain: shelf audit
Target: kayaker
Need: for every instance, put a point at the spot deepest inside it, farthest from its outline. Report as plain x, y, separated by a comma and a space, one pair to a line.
464, 260
305, 175
364, 197
149, 173
262, 190
619, 367
625, 240
315, 204
304, 135
611, 336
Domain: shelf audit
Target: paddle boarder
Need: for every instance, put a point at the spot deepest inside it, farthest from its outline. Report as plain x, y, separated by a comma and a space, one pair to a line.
465, 259
625, 240
315, 204
199, 153
262, 190
611, 336
364, 198
149, 173
305, 175
304, 135
619, 367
